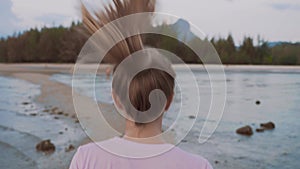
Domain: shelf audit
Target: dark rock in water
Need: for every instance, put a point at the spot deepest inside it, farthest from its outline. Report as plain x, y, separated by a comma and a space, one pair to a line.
33, 114
45, 146
76, 121
246, 130
60, 132
46, 110
216, 162
56, 118
55, 110
25, 103
192, 117
268, 126
257, 102
259, 130
60, 113
70, 148
184, 141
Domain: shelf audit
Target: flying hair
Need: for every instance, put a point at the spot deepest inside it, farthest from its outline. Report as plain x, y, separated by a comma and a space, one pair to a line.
142, 85
95, 20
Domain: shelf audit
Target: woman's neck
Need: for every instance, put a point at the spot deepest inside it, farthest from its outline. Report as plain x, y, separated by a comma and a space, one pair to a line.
146, 133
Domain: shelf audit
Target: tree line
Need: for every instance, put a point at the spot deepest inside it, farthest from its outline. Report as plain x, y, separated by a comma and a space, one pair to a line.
47, 45
282, 53
63, 44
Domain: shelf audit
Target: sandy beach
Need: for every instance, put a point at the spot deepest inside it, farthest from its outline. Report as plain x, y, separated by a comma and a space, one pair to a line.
53, 93
57, 97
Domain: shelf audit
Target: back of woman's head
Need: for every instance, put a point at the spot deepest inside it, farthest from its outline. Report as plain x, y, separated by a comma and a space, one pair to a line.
134, 93
145, 82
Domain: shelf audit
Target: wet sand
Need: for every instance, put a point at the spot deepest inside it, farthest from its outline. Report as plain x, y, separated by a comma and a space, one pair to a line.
53, 95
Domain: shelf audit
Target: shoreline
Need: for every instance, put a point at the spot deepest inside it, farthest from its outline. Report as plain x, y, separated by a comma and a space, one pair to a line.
55, 99
68, 67
59, 95
58, 126
50, 69
54, 93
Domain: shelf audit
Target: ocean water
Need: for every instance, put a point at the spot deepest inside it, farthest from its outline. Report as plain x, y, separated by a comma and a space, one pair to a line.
278, 90
20, 131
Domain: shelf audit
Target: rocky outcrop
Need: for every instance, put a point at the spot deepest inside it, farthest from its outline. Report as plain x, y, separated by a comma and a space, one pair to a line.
70, 148
246, 130
268, 126
260, 130
45, 146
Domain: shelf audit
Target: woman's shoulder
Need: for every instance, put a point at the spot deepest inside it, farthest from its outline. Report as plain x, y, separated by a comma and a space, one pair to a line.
91, 148
88, 147
89, 153
190, 158
175, 152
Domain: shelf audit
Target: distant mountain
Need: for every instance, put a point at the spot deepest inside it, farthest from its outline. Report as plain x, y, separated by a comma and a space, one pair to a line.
183, 30
272, 44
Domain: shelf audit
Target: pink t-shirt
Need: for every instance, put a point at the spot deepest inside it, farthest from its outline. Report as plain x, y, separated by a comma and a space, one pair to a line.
91, 156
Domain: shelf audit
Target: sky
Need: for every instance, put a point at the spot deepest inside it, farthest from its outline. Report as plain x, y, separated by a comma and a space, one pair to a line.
273, 20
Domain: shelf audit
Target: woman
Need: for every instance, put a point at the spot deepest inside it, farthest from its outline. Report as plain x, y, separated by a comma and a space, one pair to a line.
142, 126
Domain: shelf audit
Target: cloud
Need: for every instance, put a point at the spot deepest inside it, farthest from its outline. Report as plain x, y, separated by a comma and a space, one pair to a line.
285, 6
8, 23
33, 13
217, 18
54, 19
274, 20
